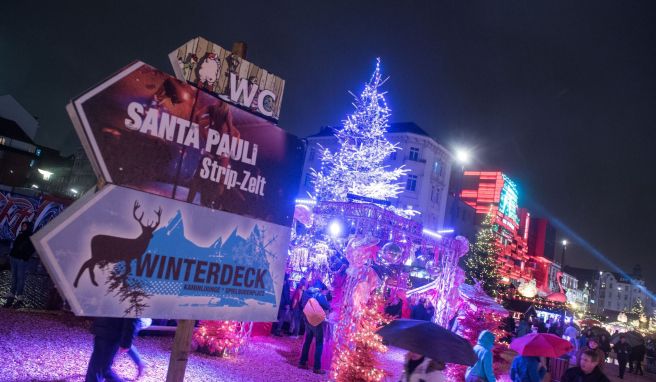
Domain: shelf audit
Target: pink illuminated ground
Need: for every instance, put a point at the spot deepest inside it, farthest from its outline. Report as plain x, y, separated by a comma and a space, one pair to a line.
56, 347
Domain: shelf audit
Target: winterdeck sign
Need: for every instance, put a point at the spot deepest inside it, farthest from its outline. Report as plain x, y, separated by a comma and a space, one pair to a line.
123, 252
149, 131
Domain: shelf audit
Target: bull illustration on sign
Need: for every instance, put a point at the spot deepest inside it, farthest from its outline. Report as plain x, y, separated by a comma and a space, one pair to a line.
107, 249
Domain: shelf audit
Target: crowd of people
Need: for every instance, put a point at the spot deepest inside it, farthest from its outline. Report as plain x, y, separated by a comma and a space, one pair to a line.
589, 348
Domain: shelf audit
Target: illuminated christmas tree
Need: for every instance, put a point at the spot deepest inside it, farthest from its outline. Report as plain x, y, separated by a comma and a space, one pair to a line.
357, 166
219, 338
481, 262
638, 308
356, 355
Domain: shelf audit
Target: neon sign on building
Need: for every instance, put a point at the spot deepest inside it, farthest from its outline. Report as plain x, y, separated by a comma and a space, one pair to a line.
508, 200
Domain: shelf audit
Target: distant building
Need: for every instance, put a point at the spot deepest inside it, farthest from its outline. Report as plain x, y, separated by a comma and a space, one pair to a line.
10, 109
23, 163
427, 183
542, 239
493, 191
460, 217
18, 154
613, 293
82, 175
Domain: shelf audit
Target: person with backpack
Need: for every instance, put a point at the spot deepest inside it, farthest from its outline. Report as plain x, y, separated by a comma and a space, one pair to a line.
314, 305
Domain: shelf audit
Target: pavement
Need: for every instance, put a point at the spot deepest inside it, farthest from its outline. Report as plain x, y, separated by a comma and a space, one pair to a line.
612, 371
40, 292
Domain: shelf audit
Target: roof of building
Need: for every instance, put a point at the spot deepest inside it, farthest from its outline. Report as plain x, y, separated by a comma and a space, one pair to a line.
14, 111
397, 127
11, 129
582, 274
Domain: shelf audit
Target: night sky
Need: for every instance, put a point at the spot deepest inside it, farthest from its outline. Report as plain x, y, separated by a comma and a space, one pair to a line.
561, 95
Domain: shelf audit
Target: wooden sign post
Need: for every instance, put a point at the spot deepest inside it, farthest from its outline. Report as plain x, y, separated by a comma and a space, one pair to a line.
185, 330
241, 170
180, 351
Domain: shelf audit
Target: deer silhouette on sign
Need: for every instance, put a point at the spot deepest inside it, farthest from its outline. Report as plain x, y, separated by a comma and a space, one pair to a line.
107, 249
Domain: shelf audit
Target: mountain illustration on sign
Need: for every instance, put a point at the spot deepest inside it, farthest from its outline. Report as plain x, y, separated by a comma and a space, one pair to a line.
235, 250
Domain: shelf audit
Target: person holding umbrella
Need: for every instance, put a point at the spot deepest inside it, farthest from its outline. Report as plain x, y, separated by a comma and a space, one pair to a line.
482, 370
587, 370
430, 347
623, 350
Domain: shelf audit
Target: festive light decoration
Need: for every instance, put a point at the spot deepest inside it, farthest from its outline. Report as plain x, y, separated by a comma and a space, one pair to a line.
357, 166
221, 338
356, 354
508, 199
528, 289
481, 264
472, 319
446, 296
638, 308
622, 317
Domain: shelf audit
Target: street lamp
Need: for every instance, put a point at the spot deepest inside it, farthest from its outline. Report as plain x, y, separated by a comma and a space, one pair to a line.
462, 156
563, 257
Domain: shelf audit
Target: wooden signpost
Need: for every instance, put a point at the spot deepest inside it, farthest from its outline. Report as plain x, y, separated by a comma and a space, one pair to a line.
211, 158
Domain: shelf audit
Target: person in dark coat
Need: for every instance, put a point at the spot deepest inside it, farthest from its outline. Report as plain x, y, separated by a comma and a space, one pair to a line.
19, 256
587, 370
394, 307
284, 307
111, 335
637, 356
419, 310
524, 327
623, 350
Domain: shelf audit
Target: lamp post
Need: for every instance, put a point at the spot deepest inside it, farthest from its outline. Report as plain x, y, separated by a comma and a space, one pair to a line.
562, 262
462, 157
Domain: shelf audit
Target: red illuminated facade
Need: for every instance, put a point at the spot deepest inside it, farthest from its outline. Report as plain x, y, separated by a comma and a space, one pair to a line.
492, 190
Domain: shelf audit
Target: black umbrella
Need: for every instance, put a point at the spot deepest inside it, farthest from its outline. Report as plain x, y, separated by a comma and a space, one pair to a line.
632, 337
430, 340
598, 331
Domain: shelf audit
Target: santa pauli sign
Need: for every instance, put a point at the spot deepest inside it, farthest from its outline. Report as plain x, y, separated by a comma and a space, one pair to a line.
146, 130
122, 252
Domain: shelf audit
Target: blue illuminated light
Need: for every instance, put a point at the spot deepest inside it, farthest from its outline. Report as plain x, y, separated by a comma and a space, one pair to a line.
508, 200
430, 233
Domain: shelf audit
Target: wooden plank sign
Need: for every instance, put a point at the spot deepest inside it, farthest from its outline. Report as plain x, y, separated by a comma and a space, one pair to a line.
225, 74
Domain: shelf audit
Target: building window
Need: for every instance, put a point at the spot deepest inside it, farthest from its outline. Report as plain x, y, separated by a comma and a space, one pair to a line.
411, 183
414, 153
437, 168
312, 153
393, 155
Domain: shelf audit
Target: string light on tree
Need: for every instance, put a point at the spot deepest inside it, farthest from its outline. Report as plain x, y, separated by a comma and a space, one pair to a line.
357, 166
220, 338
356, 356
481, 263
